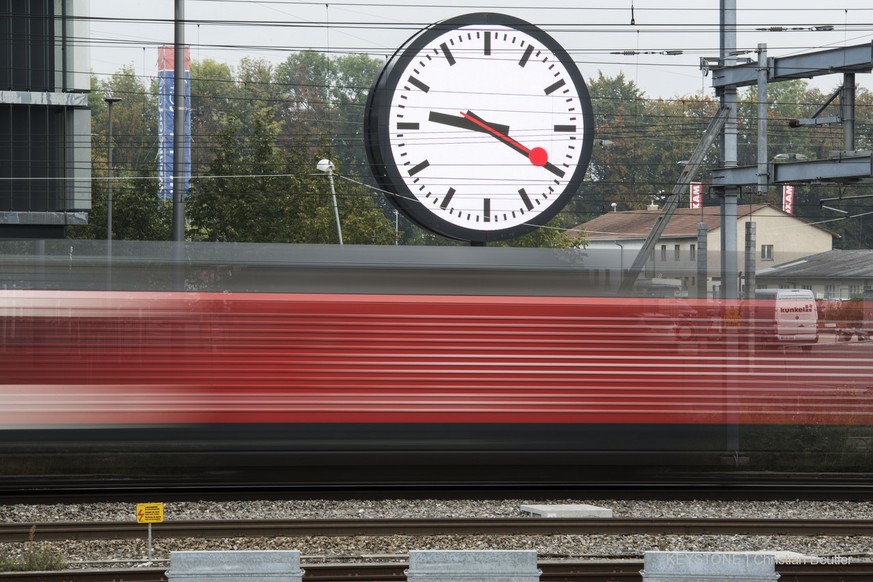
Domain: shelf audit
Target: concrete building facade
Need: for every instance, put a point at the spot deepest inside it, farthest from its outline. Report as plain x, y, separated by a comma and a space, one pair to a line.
45, 123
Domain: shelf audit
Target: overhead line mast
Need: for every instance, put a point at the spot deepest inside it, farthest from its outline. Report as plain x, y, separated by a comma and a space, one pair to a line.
709, 136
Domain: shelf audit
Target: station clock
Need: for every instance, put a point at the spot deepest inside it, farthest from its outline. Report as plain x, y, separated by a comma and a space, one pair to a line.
480, 127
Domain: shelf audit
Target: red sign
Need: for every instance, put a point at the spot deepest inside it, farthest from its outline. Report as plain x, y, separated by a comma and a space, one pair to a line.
788, 199
696, 194
167, 58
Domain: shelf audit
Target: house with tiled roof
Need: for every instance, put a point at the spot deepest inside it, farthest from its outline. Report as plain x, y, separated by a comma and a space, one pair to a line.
779, 238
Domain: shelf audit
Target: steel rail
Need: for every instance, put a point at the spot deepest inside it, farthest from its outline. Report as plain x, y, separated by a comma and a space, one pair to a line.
19, 532
563, 571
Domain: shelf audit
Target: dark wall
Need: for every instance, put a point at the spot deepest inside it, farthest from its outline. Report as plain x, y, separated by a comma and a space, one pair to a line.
32, 138
31, 153
27, 45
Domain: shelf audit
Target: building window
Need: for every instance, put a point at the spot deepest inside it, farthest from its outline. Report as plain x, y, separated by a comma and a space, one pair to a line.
766, 252
676, 255
663, 252
692, 252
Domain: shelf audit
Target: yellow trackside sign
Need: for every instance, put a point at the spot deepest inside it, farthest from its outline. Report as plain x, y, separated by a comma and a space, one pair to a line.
149, 512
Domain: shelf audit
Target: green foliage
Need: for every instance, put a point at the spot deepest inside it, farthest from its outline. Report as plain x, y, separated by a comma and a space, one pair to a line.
256, 191
552, 235
36, 561
134, 121
795, 100
33, 560
137, 212
236, 201
649, 138
258, 131
214, 93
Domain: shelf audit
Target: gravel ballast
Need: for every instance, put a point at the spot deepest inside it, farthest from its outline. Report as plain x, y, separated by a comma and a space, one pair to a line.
317, 549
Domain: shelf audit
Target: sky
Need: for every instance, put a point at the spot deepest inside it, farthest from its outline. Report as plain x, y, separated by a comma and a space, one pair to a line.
598, 34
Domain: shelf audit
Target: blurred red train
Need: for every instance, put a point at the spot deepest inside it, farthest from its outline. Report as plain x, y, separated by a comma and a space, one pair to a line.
317, 388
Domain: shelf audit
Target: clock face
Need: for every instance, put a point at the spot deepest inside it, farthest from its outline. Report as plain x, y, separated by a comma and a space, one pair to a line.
480, 128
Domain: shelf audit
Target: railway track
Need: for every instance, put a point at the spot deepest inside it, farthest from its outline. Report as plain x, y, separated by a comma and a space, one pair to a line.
21, 532
614, 571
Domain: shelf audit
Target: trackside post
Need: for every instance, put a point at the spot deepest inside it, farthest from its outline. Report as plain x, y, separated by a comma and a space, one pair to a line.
149, 513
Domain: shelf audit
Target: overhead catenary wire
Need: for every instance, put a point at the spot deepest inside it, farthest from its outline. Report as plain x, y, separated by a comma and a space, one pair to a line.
670, 130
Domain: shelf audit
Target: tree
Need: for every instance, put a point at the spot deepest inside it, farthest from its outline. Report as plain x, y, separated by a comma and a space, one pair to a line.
255, 87
795, 100
134, 118
648, 139
137, 212
618, 109
324, 97
303, 80
214, 93
256, 191
259, 130
352, 77
223, 204
552, 235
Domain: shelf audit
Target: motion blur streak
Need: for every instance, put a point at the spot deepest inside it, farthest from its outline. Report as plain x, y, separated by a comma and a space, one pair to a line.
97, 358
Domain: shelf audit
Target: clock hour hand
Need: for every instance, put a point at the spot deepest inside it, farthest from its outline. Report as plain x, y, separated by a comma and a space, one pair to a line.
537, 155
461, 122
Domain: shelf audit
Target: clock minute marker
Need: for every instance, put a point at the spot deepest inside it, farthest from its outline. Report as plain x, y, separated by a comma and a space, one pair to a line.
447, 198
554, 86
526, 56
554, 169
447, 53
526, 199
414, 81
419, 167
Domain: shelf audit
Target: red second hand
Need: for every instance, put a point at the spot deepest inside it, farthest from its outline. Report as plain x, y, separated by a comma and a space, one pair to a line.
537, 156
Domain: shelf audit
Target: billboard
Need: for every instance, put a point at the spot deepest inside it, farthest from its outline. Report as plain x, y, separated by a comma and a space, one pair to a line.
166, 120
788, 199
696, 193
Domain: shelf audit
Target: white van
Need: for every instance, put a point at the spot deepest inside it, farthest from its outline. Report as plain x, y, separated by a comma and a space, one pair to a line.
866, 332
785, 316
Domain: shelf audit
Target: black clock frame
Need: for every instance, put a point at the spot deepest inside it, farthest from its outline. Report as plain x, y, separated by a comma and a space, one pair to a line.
377, 130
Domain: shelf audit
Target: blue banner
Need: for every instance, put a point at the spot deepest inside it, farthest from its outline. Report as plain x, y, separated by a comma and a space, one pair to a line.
166, 117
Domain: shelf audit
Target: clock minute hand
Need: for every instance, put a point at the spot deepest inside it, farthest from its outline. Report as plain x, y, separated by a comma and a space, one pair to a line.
537, 156
455, 121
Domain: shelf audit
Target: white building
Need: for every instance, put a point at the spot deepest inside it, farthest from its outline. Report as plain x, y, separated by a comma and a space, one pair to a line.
780, 238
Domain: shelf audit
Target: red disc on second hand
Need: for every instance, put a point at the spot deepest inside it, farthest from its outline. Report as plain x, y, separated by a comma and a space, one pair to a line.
538, 157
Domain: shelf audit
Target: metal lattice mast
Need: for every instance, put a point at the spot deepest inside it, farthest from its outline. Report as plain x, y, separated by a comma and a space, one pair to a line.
709, 136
